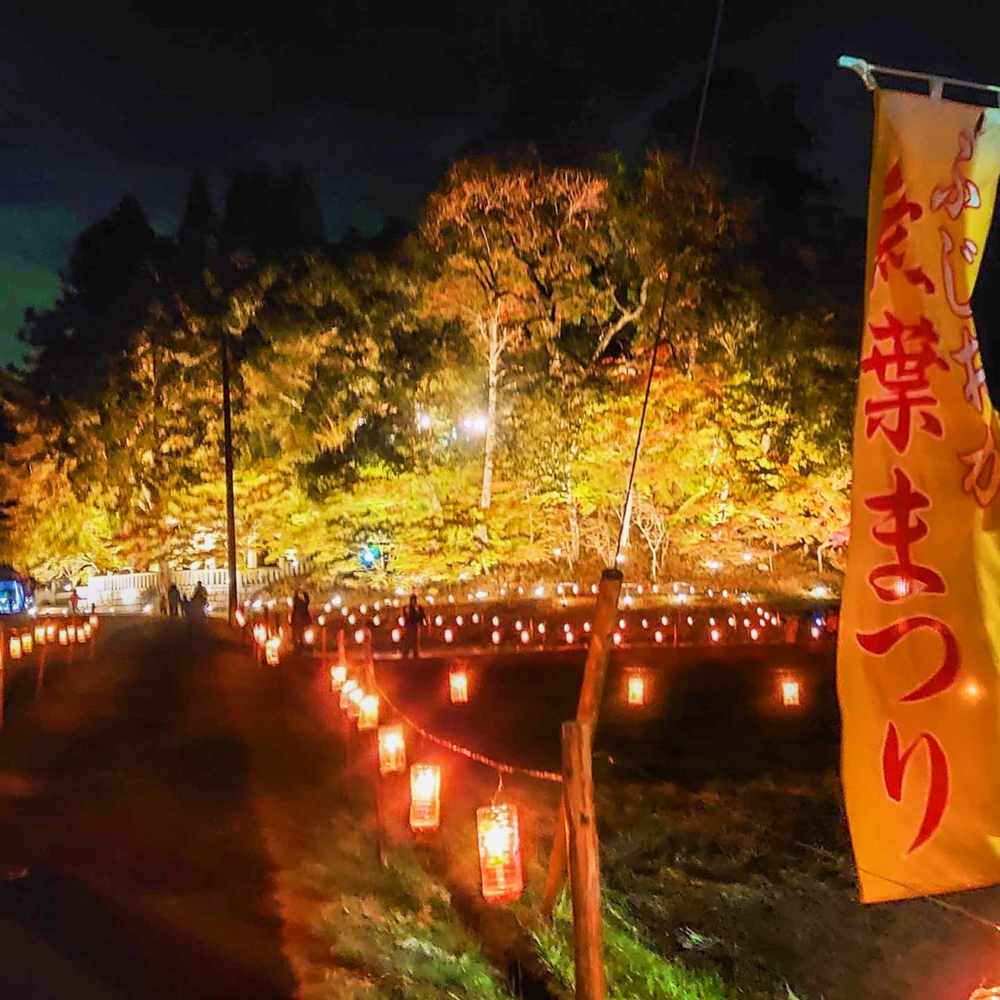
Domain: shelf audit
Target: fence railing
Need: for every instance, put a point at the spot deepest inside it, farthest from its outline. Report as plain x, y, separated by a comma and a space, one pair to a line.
131, 589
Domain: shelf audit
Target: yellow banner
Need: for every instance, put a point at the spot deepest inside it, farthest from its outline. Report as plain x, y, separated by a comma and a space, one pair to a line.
918, 669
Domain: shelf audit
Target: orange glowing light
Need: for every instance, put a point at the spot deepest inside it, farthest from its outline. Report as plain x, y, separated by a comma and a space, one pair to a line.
272, 651
425, 797
241, 618
458, 687
716, 635
368, 712
359, 636
658, 636
541, 628
27, 643
93, 621
338, 675
63, 636
448, 635
39, 635
754, 634
495, 637
569, 637
791, 693
617, 638
500, 867
87, 630
72, 634
346, 688
81, 636
391, 749
525, 636
309, 637
15, 647
396, 635
636, 690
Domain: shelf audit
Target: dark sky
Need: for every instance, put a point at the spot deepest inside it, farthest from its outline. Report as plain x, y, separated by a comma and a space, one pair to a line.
99, 98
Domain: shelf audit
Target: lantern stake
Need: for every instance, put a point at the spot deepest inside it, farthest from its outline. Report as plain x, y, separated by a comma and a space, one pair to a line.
584, 863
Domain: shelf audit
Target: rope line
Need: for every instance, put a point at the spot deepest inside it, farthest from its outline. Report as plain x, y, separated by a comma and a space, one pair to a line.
480, 758
936, 900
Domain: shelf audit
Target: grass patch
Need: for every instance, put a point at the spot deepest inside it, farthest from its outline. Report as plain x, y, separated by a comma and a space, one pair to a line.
395, 927
634, 971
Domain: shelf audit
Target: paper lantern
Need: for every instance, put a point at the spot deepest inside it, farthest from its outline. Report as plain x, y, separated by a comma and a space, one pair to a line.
425, 797
309, 637
541, 628
391, 749
354, 700
396, 635
93, 621
525, 636
81, 636
27, 643
499, 853
636, 690
814, 632
754, 634
272, 651
658, 636
458, 687
72, 633
495, 638
39, 635
50, 633
617, 638
569, 637
716, 635
63, 636
15, 647
448, 635
359, 636
346, 687
338, 674
88, 630
586, 626
368, 713
791, 692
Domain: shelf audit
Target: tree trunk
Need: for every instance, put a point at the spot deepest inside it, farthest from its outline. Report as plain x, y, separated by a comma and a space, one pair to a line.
491, 413
574, 528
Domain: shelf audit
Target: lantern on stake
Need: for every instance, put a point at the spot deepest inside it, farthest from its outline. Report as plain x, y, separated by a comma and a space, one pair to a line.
27, 643
346, 687
39, 635
72, 633
791, 692
458, 686
368, 713
50, 633
354, 699
88, 631
15, 647
499, 853
63, 636
338, 674
636, 694
391, 749
81, 636
425, 797
93, 621
272, 651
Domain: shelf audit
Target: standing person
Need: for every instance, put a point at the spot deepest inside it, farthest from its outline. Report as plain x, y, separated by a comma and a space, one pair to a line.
174, 600
415, 617
74, 600
295, 619
199, 601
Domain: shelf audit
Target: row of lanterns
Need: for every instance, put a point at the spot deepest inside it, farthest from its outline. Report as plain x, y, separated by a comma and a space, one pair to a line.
20, 644
789, 689
497, 825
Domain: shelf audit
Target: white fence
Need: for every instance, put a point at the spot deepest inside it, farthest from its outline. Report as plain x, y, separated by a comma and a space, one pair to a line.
129, 591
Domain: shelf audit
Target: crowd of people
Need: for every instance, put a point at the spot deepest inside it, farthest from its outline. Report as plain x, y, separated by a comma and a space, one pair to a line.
174, 604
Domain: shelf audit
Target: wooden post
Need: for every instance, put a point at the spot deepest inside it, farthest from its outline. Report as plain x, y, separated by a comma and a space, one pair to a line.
40, 678
341, 647
591, 693
584, 862
323, 642
380, 831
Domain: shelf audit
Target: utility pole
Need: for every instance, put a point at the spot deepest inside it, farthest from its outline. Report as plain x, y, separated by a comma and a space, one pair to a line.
227, 425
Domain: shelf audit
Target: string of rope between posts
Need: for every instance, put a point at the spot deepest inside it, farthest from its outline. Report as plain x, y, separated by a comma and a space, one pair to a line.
480, 758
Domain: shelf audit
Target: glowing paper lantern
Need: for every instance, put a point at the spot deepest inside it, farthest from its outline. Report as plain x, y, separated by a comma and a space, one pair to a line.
425, 797
791, 692
499, 853
754, 634
391, 750
541, 628
72, 633
39, 635
50, 633
636, 690
27, 643
368, 713
338, 674
658, 636
617, 638
458, 687
814, 632
525, 636
81, 636
354, 700
272, 651
396, 635
346, 687
716, 635
586, 626
15, 647
93, 621
309, 637
495, 638
88, 630
448, 635
63, 636
359, 636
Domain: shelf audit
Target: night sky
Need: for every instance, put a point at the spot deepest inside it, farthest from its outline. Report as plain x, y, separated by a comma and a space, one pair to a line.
100, 99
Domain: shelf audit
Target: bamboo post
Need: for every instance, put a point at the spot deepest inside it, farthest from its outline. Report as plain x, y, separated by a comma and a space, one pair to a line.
591, 692
341, 647
584, 862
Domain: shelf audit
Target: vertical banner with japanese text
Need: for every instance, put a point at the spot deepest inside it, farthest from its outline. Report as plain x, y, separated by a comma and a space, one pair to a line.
919, 650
